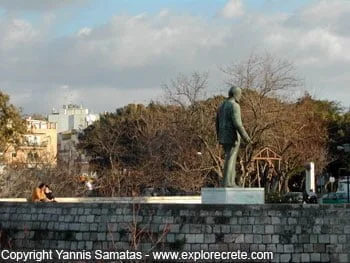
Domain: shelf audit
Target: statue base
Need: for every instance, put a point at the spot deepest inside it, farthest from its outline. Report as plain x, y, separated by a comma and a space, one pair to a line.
228, 195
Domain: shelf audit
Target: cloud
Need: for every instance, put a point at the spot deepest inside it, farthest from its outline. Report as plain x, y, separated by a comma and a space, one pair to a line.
163, 12
126, 44
233, 8
129, 54
325, 11
37, 5
331, 15
16, 33
85, 31
126, 59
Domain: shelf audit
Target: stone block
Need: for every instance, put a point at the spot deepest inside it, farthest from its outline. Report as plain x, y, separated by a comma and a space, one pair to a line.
324, 239
275, 220
267, 239
257, 239
313, 239
209, 238
339, 248
84, 227
298, 229
190, 238
342, 239
248, 238
333, 239
170, 238
319, 248
285, 258
275, 239
210, 220
216, 229
247, 229
199, 238
204, 213
225, 229
101, 236
343, 257
262, 247
227, 213
269, 229
296, 257
237, 213
174, 228
236, 228
316, 229
304, 239
90, 218
204, 247
308, 248
325, 258
292, 221
195, 229
347, 229
88, 245
315, 257
62, 226
258, 229
79, 236
288, 248
87, 211
305, 257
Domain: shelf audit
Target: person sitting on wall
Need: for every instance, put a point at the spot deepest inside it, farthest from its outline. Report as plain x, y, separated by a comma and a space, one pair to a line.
38, 194
310, 197
49, 194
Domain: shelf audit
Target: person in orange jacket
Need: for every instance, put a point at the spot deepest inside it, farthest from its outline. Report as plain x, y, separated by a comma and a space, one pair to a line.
38, 194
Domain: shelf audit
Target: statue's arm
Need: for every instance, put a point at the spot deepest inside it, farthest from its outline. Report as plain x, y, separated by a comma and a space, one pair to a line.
237, 121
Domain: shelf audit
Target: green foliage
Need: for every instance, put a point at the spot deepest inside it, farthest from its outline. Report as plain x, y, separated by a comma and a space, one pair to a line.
12, 126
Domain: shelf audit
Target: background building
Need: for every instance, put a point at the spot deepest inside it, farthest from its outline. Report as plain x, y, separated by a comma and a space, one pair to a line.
71, 120
72, 117
38, 146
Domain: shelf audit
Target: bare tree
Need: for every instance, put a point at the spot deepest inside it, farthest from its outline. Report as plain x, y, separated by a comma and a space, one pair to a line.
267, 75
186, 90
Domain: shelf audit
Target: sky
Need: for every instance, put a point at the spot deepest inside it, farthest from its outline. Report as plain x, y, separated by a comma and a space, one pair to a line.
105, 54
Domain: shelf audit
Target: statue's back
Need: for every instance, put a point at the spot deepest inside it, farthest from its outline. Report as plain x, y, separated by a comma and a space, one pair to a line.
227, 133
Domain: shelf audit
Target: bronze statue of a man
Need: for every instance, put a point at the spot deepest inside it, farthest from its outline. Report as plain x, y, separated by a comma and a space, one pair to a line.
229, 129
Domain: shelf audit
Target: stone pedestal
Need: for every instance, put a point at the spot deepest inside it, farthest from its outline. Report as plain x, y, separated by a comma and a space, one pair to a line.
225, 195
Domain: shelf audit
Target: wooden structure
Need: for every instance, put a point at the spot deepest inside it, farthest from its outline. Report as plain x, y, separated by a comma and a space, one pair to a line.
267, 159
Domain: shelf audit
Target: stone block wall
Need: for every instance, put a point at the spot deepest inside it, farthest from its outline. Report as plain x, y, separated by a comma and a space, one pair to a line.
294, 233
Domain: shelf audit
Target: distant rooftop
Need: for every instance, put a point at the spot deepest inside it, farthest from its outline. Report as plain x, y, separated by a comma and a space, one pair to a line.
68, 107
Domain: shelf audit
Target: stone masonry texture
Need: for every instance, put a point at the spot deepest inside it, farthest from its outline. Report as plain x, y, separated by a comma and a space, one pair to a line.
294, 233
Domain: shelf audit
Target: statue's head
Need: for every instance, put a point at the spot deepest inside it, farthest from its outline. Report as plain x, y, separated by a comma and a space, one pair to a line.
235, 92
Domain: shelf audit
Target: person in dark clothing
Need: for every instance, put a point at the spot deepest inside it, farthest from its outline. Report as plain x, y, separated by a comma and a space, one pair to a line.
49, 194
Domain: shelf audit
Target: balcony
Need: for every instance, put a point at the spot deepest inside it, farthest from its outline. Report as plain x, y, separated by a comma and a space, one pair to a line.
43, 144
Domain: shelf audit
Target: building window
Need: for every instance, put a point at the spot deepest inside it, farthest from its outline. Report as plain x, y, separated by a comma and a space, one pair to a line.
33, 156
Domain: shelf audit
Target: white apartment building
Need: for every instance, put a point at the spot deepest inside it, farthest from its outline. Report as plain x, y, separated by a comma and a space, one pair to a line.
72, 117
